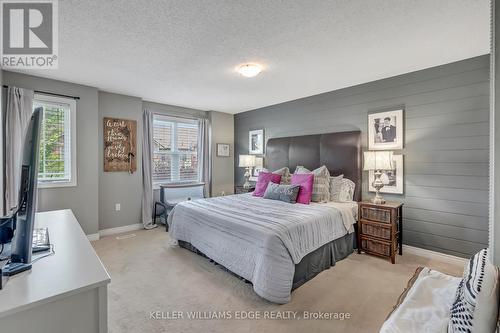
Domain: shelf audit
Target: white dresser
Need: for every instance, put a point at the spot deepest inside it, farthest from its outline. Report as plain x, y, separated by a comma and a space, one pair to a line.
65, 292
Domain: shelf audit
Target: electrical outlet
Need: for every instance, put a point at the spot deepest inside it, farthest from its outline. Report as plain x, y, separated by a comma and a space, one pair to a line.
118, 207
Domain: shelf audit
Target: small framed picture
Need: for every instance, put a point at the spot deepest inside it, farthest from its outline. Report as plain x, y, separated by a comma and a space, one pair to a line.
223, 150
385, 130
256, 142
392, 179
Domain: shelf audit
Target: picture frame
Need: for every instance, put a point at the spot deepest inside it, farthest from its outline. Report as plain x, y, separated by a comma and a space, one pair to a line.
385, 130
393, 179
256, 142
223, 150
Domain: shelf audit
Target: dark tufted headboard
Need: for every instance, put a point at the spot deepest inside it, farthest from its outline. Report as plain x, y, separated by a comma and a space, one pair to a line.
340, 152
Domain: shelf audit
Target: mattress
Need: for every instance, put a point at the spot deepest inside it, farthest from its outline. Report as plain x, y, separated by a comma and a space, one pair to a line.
258, 239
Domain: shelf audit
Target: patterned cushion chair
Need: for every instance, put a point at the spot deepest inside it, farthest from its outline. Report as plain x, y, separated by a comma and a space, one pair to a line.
437, 302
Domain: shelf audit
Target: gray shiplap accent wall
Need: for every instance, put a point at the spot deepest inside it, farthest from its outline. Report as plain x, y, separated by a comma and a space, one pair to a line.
446, 145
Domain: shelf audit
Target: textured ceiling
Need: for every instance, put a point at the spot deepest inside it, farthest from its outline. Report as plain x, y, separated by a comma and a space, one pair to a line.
184, 52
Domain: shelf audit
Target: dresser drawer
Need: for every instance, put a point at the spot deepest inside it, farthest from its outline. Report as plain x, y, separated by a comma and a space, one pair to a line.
376, 246
377, 214
375, 229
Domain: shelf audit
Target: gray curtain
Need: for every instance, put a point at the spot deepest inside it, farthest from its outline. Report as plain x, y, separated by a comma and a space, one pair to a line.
18, 110
204, 154
147, 169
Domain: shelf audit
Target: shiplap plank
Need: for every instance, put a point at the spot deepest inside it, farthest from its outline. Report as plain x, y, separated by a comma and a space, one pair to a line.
448, 156
458, 220
448, 206
450, 169
456, 194
465, 143
436, 121
448, 131
476, 236
446, 107
452, 244
466, 182
410, 242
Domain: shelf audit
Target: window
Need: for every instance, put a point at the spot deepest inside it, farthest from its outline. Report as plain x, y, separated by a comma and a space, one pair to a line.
175, 150
57, 164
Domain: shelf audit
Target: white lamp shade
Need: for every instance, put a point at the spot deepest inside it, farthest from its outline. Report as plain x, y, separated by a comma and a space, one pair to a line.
377, 160
247, 161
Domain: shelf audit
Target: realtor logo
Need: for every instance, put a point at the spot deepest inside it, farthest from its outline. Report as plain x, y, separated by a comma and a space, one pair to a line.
29, 37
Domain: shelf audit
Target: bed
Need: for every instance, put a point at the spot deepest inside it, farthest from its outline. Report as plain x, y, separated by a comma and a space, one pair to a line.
274, 245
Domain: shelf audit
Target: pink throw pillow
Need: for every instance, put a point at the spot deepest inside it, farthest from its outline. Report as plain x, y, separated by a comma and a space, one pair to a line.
305, 181
263, 181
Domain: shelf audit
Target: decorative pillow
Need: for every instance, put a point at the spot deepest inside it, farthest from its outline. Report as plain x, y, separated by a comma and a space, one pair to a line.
347, 190
335, 187
285, 193
283, 172
305, 181
476, 304
264, 179
321, 186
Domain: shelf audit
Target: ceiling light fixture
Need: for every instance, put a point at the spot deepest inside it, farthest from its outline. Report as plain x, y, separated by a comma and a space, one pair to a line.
249, 70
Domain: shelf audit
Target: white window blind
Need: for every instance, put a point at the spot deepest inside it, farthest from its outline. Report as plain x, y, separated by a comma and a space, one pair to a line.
57, 147
175, 152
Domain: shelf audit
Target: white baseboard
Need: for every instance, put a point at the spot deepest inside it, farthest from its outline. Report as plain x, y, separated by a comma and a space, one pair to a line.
120, 230
93, 237
433, 255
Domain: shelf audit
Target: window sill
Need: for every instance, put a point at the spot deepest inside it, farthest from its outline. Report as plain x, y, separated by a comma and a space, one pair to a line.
156, 185
57, 184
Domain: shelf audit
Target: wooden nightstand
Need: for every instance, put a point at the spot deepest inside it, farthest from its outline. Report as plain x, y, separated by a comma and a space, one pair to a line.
380, 230
240, 189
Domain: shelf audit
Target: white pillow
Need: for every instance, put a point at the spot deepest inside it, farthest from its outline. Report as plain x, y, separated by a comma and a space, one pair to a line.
321, 183
285, 174
335, 187
347, 190
476, 303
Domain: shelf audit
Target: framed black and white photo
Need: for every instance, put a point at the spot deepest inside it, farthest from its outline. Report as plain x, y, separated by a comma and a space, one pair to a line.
392, 179
385, 130
256, 142
223, 150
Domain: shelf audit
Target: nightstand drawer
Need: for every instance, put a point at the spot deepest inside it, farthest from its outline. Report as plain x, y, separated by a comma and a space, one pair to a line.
375, 229
375, 246
376, 214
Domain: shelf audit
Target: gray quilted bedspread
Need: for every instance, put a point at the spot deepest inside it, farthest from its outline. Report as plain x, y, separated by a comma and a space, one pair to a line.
261, 240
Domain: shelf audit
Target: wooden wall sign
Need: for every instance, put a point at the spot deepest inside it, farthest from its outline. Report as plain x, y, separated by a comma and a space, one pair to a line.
120, 149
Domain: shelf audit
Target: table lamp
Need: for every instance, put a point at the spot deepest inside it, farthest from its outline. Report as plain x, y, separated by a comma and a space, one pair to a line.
248, 162
377, 161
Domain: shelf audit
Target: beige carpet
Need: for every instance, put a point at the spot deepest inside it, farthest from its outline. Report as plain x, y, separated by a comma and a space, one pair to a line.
148, 274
